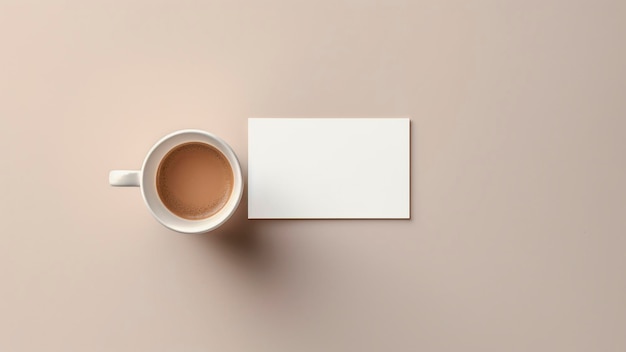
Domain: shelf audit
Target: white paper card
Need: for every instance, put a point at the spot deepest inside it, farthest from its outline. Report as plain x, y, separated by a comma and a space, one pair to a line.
328, 168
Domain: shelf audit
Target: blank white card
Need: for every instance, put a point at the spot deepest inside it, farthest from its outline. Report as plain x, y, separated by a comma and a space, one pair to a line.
328, 168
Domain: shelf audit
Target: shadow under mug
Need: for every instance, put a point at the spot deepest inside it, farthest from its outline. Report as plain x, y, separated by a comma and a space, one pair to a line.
145, 179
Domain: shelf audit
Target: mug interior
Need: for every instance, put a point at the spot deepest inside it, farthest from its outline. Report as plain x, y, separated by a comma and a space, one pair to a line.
150, 193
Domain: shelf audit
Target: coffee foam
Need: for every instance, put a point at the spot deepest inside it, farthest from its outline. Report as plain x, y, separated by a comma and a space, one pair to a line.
194, 180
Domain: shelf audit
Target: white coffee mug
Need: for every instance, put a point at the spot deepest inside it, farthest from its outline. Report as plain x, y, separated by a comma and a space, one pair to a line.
146, 180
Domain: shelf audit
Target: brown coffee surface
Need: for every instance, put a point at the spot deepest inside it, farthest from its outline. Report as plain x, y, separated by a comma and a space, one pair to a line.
194, 180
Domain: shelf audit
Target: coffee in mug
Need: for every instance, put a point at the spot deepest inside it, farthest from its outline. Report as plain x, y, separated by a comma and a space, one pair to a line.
190, 180
194, 180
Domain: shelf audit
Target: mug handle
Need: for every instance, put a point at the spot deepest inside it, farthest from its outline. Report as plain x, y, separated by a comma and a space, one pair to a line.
124, 178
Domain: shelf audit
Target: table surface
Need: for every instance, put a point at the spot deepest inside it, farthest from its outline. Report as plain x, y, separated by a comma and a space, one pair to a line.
516, 239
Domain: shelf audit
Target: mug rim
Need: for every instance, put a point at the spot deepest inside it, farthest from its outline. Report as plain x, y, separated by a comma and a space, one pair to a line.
225, 149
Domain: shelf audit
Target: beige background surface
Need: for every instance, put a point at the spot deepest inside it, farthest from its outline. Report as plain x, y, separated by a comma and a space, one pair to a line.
517, 236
